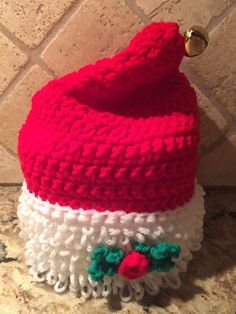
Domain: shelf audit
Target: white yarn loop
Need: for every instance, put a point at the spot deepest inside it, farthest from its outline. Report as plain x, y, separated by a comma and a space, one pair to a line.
111, 242
83, 280
51, 278
152, 285
106, 290
97, 291
61, 287
138, 295
119, 282
38, 277
173, 281
138, 290
129, 296
86, 291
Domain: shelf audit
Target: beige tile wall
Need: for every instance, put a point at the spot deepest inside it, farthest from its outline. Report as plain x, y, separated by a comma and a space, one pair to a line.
42, 39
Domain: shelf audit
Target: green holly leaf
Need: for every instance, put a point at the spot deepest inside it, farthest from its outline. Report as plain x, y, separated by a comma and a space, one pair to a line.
115, 256
161, 256
105, 261
143, 248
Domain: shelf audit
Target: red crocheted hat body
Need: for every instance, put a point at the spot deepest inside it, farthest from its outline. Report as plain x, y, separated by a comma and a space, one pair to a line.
121, 134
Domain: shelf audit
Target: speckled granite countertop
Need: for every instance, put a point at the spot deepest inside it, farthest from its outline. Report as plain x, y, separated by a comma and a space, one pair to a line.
209, 287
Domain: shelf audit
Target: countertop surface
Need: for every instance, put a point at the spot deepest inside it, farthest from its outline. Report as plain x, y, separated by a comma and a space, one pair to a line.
209, 286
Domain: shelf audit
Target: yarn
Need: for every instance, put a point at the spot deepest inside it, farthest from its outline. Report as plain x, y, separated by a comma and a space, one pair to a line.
141, 247
109, 156
161, 256
165, 250
134, 265
120, 133
59, 243
105, 261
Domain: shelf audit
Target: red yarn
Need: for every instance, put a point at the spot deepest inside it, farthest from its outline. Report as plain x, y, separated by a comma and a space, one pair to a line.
121, 134
133, 265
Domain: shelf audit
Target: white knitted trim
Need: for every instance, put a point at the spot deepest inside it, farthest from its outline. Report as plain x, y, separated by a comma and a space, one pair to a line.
59, 242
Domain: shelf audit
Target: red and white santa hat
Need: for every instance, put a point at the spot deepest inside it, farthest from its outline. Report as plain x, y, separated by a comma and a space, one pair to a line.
110, 203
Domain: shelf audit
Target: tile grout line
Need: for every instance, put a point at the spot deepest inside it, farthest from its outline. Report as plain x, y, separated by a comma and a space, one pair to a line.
152, 14
28, 52
37, 60
207, 150
231, 128
57, 27
33, 54
17, 42
13, 184
216, 20
9, 151
138, 11
23, 70
202, 85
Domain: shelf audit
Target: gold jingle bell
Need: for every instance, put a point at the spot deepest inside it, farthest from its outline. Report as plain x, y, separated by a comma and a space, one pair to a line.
196, 41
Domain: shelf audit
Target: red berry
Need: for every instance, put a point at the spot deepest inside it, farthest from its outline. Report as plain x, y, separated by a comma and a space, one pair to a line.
133, 265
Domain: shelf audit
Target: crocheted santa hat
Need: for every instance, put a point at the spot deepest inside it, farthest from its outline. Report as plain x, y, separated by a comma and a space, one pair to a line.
110, 203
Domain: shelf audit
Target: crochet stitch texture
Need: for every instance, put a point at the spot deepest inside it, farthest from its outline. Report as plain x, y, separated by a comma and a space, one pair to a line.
120, 134
110, 203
